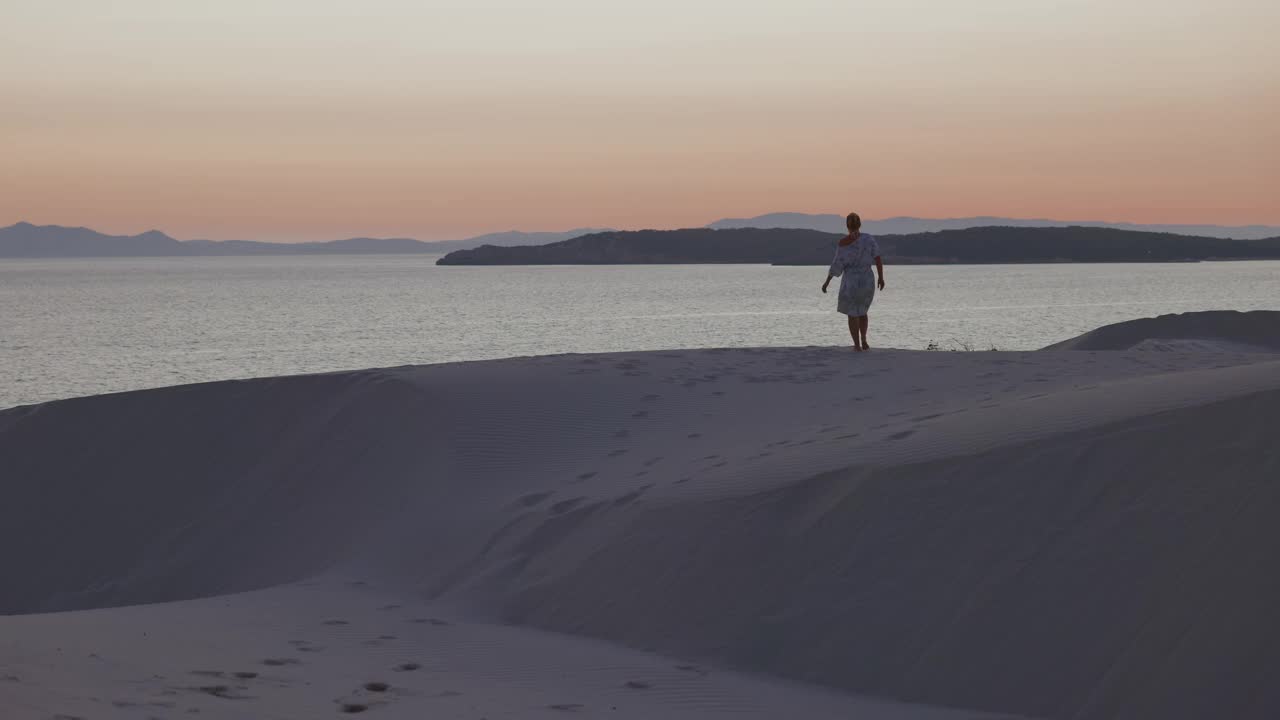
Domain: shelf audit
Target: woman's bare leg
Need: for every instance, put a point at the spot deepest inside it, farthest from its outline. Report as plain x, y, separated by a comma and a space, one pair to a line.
863, 321
853, 331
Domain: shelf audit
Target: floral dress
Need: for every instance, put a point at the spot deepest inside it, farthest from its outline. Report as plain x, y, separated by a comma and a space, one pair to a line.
852, 265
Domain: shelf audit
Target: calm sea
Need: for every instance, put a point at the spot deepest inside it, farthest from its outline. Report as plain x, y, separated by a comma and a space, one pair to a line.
81, 327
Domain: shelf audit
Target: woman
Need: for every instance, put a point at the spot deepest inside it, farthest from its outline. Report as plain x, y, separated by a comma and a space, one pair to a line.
854, 257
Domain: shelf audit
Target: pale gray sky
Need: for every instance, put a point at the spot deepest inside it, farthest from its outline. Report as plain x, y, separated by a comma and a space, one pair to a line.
284, 119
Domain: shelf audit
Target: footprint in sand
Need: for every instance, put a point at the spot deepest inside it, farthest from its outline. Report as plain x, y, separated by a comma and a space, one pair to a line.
694, 436
447, 694
568, 707
902, 435
241, 674
640, 414
565, 506
226, 692
652, 461
525, 501
407, 667
585, 476
352, 708
638, 685
378, 687
631, 496
279, 662
682, 481
432, 621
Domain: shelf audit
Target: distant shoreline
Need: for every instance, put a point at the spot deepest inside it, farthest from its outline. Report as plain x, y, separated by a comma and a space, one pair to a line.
427, 256
921, 241
971, 246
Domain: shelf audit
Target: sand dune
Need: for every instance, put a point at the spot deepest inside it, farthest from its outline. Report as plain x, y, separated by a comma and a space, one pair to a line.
1052, 534
1217, 331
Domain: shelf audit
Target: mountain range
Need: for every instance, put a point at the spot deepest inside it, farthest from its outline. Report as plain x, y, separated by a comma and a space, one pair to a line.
25, 240
909, 225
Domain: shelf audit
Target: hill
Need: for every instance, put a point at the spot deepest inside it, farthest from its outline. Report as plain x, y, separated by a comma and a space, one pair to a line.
810, 247
25, 240
513, 238
907, 225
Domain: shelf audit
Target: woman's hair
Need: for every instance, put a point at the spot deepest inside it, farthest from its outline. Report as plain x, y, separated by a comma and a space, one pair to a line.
854, 221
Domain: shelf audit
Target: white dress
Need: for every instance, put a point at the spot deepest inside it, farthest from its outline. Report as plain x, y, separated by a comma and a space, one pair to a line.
852, 264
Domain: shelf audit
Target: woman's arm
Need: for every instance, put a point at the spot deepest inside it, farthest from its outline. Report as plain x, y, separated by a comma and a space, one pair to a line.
880, 271
834, 271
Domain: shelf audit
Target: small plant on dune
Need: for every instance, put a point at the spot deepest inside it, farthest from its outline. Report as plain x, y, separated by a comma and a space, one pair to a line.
954, 345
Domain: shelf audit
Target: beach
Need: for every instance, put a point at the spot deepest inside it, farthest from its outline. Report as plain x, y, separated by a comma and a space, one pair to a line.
1078, 532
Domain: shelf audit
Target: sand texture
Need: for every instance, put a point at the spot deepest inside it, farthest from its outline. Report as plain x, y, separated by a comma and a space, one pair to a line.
764, 533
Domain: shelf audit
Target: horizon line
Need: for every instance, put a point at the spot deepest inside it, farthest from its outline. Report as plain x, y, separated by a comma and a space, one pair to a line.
1249, 226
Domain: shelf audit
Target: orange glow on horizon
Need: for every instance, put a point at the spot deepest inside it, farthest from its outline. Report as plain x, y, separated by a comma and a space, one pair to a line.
290, 121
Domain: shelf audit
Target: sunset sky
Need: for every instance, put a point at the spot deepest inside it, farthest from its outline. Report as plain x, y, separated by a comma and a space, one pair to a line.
318, 119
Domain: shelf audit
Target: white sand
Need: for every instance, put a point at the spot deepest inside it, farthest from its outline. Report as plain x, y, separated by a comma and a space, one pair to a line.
1219, 330
703, 534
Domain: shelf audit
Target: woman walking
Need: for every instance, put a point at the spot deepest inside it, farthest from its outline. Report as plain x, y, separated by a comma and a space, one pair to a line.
855, 255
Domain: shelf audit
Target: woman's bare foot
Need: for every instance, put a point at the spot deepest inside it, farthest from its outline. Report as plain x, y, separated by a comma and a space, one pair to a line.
857, 348
865, 346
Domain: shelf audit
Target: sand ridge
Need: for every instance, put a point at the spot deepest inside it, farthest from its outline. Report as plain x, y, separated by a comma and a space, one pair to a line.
1213, 331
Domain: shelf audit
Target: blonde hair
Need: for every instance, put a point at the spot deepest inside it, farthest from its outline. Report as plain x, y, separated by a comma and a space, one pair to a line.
853, 220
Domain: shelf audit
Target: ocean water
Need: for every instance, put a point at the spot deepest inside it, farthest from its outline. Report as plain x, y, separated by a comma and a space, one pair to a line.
82, 327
